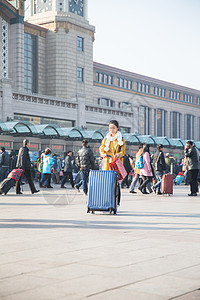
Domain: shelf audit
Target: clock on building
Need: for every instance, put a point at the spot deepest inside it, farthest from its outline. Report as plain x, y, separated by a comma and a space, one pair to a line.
42, 6
76, 7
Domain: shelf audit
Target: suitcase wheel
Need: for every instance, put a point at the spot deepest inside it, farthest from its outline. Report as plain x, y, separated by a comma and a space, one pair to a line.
92, 212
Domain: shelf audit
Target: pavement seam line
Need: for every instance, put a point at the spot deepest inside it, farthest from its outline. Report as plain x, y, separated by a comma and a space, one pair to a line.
135, 282
184, 294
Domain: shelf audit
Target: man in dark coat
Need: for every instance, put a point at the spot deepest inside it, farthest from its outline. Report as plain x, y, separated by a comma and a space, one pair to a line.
68, 170
24, 163
159, 167
192, 156
4, 164
85, 161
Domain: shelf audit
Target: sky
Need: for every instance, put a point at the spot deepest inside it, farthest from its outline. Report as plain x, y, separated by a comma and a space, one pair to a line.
156, 38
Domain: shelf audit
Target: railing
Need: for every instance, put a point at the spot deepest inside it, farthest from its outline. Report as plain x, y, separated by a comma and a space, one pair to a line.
106, 110
41, 99
46, 100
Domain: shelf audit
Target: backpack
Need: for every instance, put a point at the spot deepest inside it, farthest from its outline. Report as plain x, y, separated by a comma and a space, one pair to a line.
139, 164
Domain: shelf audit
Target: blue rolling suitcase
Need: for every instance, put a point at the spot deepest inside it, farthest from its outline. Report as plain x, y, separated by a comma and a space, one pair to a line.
103, 191
178, 179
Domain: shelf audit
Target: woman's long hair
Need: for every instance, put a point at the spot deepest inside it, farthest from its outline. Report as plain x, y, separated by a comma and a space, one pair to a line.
146, 148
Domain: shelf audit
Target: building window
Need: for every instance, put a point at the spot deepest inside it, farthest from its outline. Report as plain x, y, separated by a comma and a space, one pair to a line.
124, 83
106, 102
110, 79
160, 122
175, 124
124, 105
4, 49
30, 63
174, 95
145, 120
43, 120
143, 87
189, 127
125, 129
188, 98
198, 100
198, 129
80, 43
95, 126
80, 74
159, 91
104, 78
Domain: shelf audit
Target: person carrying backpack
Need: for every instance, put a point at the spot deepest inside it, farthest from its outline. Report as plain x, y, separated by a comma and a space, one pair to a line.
136, 171
145, 172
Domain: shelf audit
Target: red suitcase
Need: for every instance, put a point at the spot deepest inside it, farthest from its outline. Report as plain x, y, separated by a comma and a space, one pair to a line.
167, 184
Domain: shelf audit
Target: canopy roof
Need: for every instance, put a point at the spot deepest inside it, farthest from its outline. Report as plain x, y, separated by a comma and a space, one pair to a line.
77, 133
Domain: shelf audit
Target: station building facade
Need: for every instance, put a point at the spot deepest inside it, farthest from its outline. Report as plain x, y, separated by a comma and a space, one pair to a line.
48, 76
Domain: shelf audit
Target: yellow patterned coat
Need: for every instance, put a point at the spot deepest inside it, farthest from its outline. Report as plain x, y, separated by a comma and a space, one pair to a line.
113, 149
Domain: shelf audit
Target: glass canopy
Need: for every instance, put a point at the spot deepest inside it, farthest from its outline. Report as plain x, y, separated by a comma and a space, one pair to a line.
50, 130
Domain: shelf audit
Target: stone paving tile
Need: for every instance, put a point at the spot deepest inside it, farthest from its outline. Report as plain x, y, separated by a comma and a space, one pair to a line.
69, 254
49, 292
166, 285
10, 270
20, 283
190, 296
189, 273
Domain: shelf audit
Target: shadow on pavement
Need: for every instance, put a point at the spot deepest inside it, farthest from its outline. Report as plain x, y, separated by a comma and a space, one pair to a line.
117, 224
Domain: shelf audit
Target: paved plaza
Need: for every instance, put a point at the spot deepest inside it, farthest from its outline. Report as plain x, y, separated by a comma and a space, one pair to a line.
50, 248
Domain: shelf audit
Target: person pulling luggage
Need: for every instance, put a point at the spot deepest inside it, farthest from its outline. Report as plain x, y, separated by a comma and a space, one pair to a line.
159, 167
113, 145
24, 163
85, 161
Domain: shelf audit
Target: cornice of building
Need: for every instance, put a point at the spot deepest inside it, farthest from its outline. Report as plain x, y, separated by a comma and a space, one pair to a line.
7, 10
59, 17
142, 78
35, 29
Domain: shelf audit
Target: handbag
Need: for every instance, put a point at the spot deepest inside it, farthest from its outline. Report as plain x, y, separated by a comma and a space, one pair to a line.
139, 164
118, 167
61, 173
52, 170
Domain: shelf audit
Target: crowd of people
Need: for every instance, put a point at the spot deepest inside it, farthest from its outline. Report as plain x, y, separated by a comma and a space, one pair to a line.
146, 169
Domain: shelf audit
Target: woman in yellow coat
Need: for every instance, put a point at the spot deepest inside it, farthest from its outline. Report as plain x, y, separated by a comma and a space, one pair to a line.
113, 145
